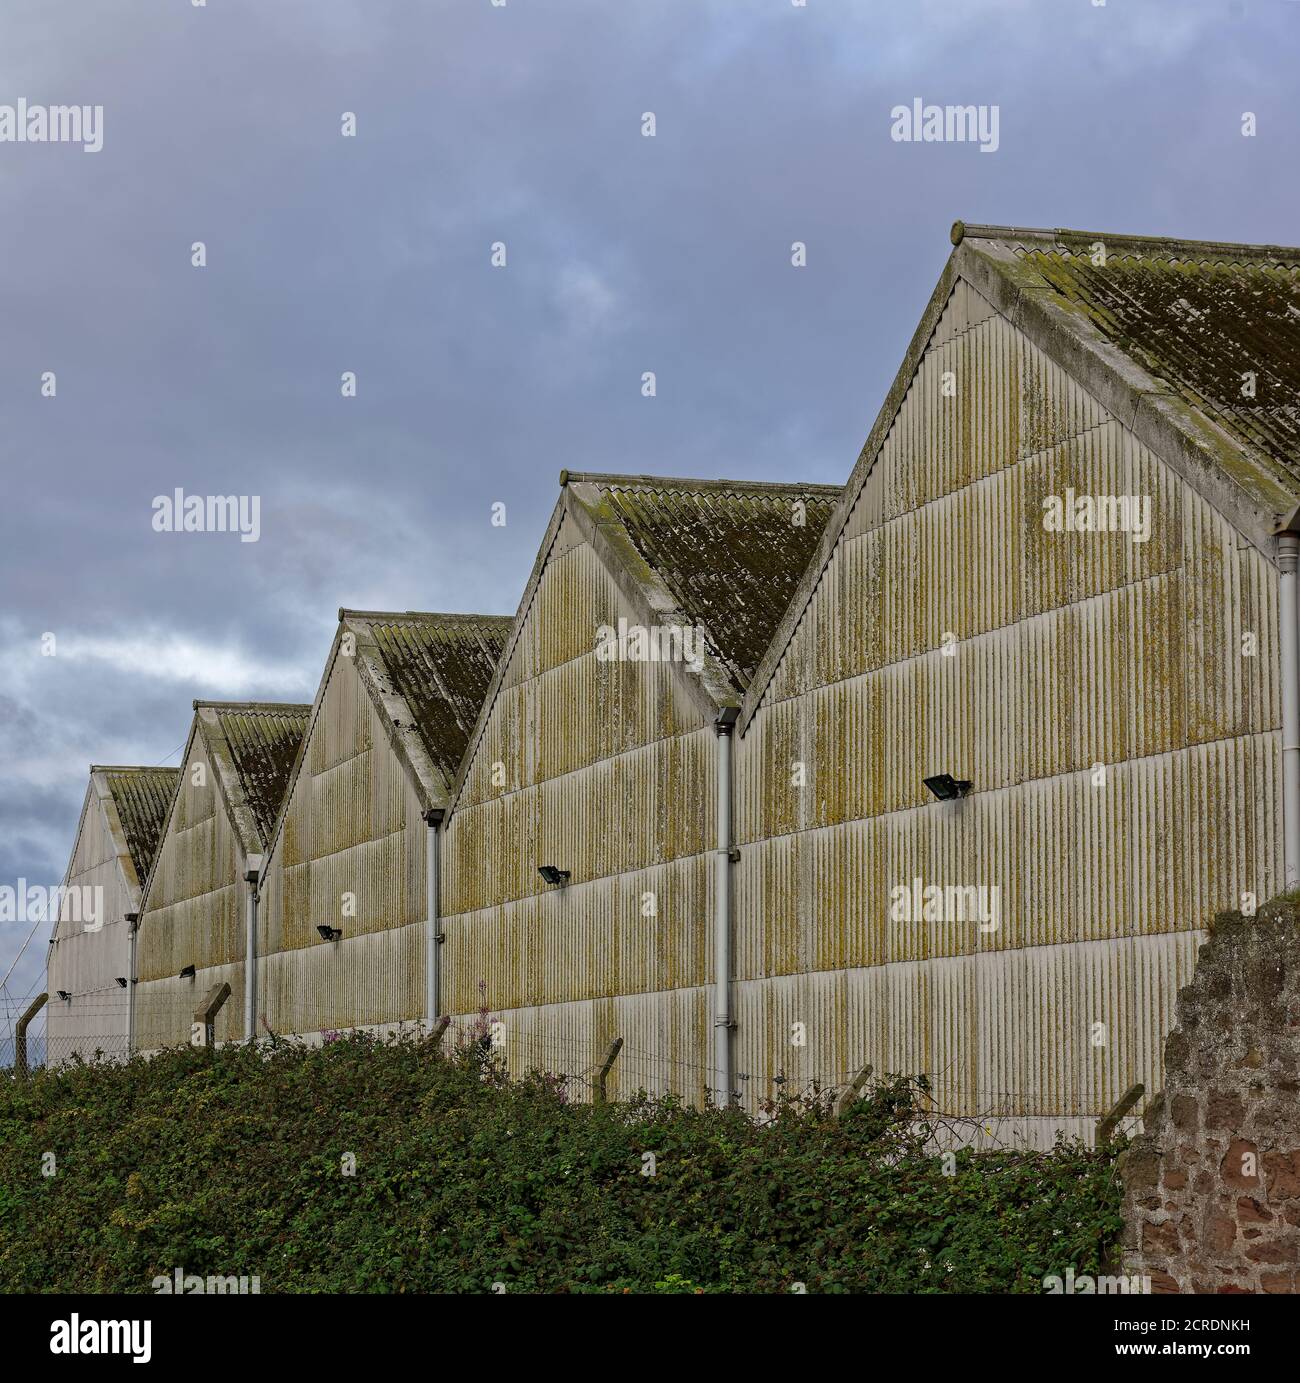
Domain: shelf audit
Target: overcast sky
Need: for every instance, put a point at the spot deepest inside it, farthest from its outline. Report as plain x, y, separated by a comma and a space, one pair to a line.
518, 123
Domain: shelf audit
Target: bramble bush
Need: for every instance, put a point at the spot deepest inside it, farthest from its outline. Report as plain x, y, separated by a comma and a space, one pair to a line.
233, 1163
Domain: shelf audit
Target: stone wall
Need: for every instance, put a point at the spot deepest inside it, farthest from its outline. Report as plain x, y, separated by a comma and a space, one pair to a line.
1212, 1189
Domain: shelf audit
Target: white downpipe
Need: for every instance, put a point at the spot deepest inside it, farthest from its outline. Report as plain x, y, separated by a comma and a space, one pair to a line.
1288, 559
252, 877
432, 917
723, 1018
133, 926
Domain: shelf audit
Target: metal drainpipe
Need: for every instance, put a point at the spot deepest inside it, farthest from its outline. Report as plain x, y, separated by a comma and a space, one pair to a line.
432, 916
133, 927
1288, 559
252, 877
724, 1022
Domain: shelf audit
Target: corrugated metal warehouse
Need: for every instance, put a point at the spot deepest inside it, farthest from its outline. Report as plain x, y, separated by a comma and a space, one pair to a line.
595, 758
350, 850
234, 771
681, 798
90, 951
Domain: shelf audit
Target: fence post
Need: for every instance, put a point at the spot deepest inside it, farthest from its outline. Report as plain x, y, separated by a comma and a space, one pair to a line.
852, 1093
439, 1028
201, 1030
20, 1035
1108, 1125
611, 1056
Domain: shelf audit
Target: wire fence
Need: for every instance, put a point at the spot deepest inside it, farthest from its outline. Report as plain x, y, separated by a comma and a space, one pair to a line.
584, 1070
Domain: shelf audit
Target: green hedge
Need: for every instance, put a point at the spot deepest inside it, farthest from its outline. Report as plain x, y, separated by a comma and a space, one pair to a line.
232, 1163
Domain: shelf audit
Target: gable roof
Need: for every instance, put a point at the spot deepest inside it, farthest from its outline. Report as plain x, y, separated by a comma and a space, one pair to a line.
259, 742
434, 670
251, 746
426, 675
135, 801
726, 551
724, 555
142, 797
1161, 332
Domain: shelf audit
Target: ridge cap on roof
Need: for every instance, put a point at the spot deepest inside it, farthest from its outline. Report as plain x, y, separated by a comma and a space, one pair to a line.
686, 482
1063, 237
253, 705
133, 768
425, 616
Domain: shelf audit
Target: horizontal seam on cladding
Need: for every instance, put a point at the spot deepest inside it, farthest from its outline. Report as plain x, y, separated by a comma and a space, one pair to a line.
1010, 787
970, 638
842, 541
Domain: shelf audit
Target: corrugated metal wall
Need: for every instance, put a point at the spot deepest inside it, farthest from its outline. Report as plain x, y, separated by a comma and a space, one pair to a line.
350, 855
1068, 650
86, 964
194, 914
605, 769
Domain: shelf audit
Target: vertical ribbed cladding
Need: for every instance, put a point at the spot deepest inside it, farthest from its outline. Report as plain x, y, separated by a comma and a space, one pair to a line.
352, 833
1074, 651
165, 1008
84, 963
193, 914
608, 773
369, 979
663, 1033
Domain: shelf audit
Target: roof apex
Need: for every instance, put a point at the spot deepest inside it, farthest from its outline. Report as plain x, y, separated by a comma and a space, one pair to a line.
1174, 247
691, 483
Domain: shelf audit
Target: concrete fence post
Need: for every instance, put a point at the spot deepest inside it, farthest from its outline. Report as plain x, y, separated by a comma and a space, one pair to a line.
205, 1016
1107, 1126
20, 1034
853, 1091
602, 1075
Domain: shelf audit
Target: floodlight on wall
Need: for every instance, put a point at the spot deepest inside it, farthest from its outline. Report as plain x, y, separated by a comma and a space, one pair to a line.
187, 973
63, 994
947, 788
253, 868
551, 875
328, 933
121, 979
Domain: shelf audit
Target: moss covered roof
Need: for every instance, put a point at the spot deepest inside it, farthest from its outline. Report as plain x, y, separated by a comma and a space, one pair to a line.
143, 797
1219, 324
263, 739
442, 666
730, 553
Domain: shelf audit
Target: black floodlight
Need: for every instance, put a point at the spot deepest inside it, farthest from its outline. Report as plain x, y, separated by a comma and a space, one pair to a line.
551, 875
187, 973
121, 979
947, 788
328, 933
63, 994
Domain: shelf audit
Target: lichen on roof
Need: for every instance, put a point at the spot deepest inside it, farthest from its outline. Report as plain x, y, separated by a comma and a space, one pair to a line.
143, 797
731, 553
1218, 323
263, 740
442, 666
